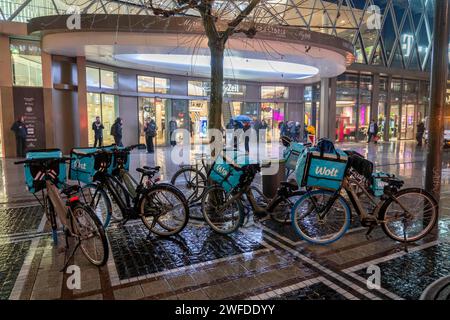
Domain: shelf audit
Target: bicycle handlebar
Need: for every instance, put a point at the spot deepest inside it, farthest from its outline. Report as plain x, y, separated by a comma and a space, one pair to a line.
41, 160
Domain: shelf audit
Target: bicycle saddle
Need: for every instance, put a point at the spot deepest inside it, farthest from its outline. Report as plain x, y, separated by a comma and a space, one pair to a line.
157, 168
147, 171
69, 190
292, 185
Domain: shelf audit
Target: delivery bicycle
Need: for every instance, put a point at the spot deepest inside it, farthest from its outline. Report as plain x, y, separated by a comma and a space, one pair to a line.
323, 215
161, 207
45, 172
224, 204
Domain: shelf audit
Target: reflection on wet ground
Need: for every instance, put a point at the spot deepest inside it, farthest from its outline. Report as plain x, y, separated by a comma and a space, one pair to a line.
265, 261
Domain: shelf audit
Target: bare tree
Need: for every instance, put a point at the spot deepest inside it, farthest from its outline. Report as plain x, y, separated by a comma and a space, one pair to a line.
218, 30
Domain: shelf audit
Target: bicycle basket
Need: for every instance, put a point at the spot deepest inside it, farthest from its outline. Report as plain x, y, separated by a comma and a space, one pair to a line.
316, 169
225, 174
292, 153
120, 156
378, 184
34, 175
83, 168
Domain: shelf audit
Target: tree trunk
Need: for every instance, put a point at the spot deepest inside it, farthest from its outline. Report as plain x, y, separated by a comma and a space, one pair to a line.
216, 98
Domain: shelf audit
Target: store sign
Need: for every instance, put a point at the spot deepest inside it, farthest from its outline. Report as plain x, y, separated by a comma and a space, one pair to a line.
29, 103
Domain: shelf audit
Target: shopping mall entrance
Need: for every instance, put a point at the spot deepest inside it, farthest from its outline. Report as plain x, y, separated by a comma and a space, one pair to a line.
105, 106
198, 121
273, 115
156, 109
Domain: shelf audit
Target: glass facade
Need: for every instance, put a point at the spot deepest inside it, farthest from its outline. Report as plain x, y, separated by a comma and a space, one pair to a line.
391, 33
153, 85
156, 109
100, 78
26, 63
106, 106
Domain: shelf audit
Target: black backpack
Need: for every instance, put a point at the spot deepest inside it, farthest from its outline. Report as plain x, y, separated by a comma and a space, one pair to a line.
326, 146
113, 129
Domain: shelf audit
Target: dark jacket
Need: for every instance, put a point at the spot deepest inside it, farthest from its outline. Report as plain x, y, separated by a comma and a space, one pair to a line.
19, 129
150, 129
420, 128
98, 129
116, 130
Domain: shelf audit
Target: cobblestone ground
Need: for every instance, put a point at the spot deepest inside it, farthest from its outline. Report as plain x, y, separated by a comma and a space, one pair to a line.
261, 261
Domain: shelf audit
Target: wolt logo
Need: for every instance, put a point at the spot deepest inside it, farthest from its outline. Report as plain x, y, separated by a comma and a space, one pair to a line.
324, 171
74, 280
374, 280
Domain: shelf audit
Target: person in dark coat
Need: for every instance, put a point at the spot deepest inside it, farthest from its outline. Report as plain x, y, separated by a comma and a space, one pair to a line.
20, 130
98, 127
150, 133
420, 133
116, 132
172, 127
372, 131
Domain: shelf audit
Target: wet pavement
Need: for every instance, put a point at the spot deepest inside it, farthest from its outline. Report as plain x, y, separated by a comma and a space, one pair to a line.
260, 261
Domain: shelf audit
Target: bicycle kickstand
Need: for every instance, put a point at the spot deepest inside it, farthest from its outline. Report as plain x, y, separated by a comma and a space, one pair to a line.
369, 231
67, 259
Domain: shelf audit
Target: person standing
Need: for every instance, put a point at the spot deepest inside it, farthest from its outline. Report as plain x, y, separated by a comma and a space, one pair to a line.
116, 132
373, 131
98, 127
20, 130
420, 133
172, 127
150, 133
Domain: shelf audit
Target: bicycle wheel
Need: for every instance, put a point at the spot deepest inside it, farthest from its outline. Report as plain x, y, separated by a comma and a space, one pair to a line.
223, 216
411, 217
99, 201
164, 210
191, 182
316, 226
121, 192
283, 207
91, 234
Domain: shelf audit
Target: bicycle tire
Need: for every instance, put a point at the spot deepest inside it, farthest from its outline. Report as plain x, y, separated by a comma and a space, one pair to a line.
287, 218
195, 196
106, 213
97, 225
206, 210
418, 192
182, 202
52, 219
328, 240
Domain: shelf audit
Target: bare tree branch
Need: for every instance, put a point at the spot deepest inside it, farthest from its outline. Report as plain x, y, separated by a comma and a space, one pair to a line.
244, 14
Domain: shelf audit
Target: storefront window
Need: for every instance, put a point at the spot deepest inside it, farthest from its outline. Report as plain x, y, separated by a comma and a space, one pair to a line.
93, 77
153, 85
199, 88
273, 115
162, 85
346, 107
198, 115
108, 79
394, 116
146, 84
99, 78
105, 106
274, 92
26, 63
156, 109
365, 100
250, 109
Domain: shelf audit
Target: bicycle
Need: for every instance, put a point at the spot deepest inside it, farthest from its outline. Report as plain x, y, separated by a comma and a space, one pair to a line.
405, 215
192, 179
160, 206
78, 220
225, 212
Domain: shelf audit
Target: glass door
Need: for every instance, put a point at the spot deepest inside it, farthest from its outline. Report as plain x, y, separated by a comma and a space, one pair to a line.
110, 112
273, 115
394, 122
156, 109
408, 122
198, 113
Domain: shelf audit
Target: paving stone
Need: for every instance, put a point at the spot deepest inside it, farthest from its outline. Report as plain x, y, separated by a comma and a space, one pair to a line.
156, 287
129, 293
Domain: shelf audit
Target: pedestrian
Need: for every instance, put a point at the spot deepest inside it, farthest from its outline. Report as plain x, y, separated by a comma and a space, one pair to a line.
98, 127
236, 136
373, 131
172, 127
191, 127
292, 130
297, 131
420, 133
150, 129
116, 132
247, 126
20, 130
283, 129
